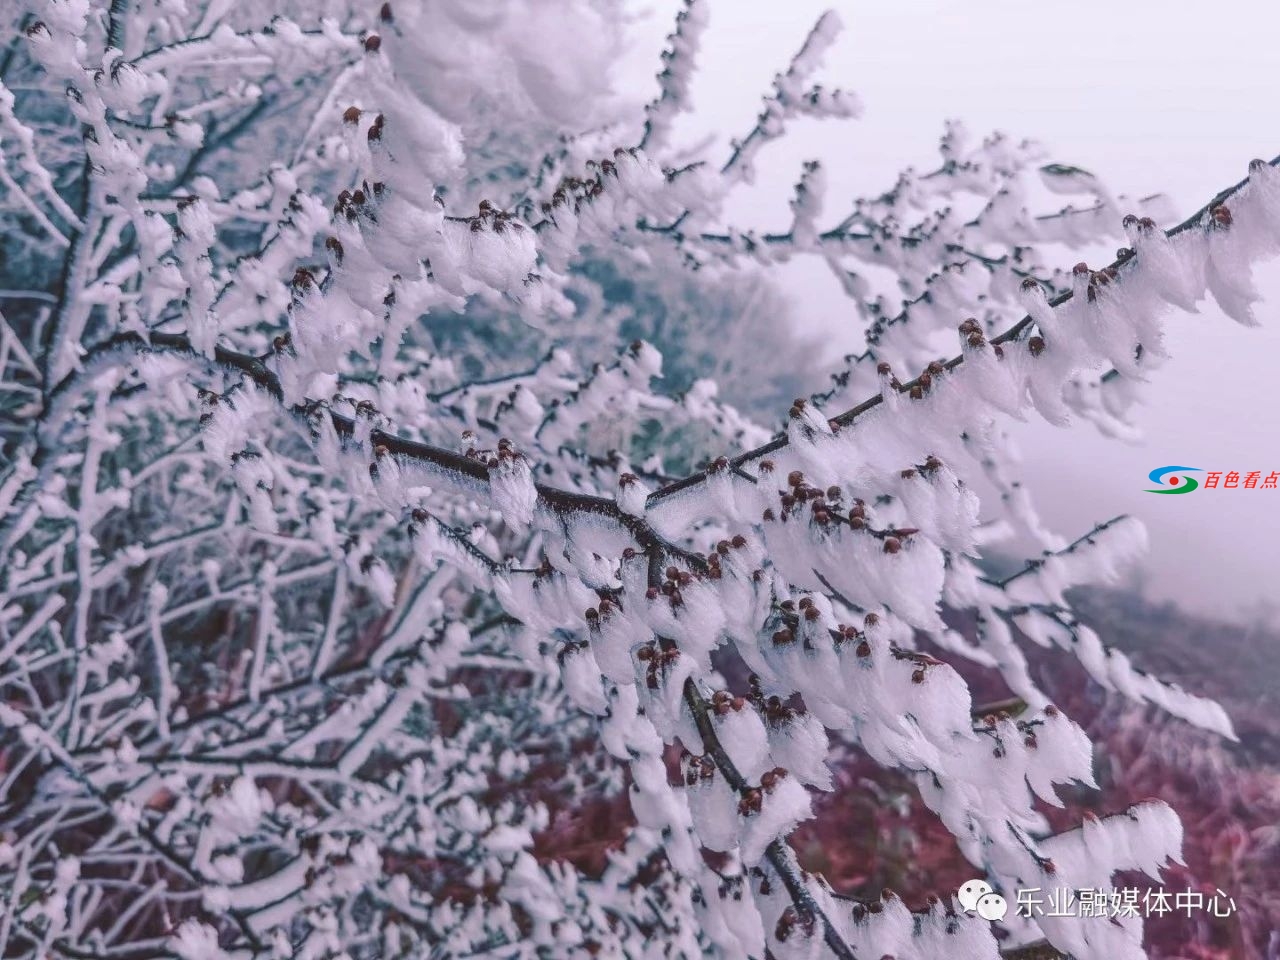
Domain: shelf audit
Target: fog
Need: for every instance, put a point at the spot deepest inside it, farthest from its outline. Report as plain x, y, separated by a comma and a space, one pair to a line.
1152, 97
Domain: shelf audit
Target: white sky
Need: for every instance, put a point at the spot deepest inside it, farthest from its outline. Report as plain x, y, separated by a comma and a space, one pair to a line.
1172, 97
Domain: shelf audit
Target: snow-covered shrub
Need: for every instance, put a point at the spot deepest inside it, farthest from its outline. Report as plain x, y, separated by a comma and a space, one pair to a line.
308, 622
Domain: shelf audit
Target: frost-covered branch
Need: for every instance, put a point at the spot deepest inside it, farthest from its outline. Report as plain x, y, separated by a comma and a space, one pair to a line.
352, 544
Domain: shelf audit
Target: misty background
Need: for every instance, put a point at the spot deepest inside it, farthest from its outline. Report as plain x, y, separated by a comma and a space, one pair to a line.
1152, 97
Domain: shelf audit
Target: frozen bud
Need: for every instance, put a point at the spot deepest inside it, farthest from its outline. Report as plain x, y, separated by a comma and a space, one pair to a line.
1081, 269
1129, 221
738, 541
766, 466
372, 43
1031, 742
871, 619
768, 514
644, 654
892, 544
1036, 346
970, 326
1221, 216
672, 573
975, 340
857, 523
907, 474
935, 368
795, 478
1051, 711
652, 593
883, 368
917, 393
628, 553
784, 636
385, 13
917, 676
1123, 254
351, 115
811, 613
1030, 283
805, 603
750, 802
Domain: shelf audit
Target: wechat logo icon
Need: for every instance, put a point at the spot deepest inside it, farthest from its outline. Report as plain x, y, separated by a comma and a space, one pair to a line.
977, 895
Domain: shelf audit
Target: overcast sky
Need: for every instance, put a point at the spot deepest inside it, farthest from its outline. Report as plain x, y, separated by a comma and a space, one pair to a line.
1153, 97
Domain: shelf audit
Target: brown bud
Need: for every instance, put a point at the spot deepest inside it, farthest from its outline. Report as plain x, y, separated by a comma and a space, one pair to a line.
1080, 269
892, 544
784, 636
1036, 346
795, 478
351, 115
372, 43
385, 13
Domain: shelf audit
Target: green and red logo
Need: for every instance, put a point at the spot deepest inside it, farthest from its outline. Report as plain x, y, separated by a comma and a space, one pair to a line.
1174, 484
1213, 479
